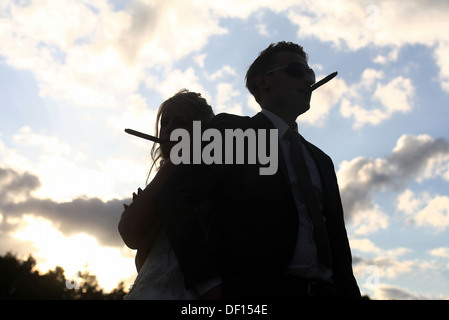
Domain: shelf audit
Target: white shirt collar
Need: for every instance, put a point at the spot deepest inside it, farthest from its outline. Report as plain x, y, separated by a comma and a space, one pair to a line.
278, 123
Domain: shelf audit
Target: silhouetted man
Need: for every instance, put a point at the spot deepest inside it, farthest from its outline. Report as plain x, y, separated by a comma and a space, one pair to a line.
275, 236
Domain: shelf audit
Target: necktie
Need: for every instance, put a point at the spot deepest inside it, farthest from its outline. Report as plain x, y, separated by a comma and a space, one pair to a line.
313, 207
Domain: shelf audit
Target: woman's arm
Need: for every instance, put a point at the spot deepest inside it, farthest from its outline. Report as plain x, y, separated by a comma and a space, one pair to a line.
146, 243
138, 217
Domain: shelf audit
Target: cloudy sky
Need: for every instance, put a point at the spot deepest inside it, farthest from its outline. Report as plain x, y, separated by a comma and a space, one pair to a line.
74, 74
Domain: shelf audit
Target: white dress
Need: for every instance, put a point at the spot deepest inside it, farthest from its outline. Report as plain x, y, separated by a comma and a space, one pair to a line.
160, 277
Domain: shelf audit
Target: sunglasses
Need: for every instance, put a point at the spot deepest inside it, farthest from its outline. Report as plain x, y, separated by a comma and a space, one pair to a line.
296, 70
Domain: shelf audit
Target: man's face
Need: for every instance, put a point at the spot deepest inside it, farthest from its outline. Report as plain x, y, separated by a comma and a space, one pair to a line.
289, 85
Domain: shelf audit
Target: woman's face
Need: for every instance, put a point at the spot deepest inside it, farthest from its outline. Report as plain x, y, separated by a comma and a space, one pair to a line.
174, 116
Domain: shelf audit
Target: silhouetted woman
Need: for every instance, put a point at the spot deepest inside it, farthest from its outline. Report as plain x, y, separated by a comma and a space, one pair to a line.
159, 275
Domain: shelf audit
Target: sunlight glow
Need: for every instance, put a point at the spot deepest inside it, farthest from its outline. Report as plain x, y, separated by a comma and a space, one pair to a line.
80, 252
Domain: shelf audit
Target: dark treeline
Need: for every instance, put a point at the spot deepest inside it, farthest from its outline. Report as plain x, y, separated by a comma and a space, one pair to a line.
19, 280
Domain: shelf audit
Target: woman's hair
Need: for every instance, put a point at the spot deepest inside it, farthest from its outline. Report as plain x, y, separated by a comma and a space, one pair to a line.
195, 105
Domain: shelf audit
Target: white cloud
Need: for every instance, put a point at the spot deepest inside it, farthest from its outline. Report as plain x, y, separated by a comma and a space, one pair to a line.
69, 49
369, 221
364, 245
89, 215
252, 103
223, 101
375, 275
322, 101
357, 24
81, 52
441, 57
396, 96
361, 115
199, 59
392, 268
425, 210
136, 115
87, 50
389, 292
27, 138
226, 93
407, 202
390, 57
337, 22
369, 76
383, 265
51, 248
58, 233
392, 24
176, 80
412, 159
387, 99
64, 173
359, 179
262, 29
225, 70
440, 252
437, 166
247, 7
16, 186
367, 246
422, 156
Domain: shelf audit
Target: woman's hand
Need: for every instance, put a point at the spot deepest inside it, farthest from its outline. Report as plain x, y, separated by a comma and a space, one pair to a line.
139, 215
139, 191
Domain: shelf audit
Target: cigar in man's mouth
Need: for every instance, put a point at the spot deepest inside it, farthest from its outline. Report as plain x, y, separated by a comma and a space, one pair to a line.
322, 81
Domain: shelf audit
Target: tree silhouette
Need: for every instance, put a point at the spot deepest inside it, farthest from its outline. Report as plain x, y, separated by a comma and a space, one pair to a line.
19, 280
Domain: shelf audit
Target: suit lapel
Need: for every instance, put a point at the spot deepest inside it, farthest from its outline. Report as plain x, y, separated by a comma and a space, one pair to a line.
260, 121
324, 170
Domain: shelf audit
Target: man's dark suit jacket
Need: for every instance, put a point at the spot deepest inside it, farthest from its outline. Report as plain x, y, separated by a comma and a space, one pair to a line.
251, 221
